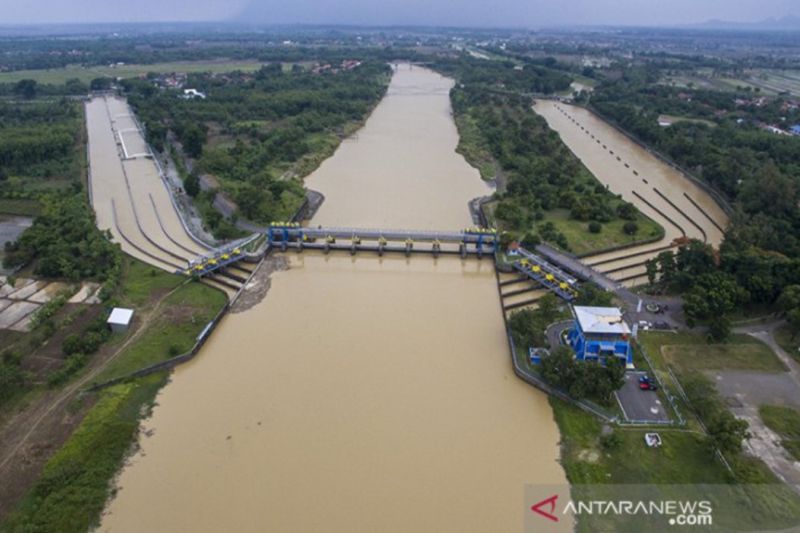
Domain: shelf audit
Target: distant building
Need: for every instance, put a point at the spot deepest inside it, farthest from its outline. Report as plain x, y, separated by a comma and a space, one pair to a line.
190, 94
600, 332
120, 319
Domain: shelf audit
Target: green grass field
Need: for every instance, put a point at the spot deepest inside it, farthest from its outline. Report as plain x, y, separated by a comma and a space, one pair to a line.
584, 242
172, 333
623, 466
87, 74
689, 352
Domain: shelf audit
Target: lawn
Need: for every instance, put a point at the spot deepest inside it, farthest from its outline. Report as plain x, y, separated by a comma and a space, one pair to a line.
173, 332
584, 242
623, 467
690, 352
785, 421
87, 74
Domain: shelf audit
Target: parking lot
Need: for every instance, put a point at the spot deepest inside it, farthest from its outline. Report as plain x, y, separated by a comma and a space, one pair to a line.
639, 404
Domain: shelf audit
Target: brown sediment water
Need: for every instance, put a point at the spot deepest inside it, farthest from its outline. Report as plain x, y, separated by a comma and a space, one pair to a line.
362, 394
640, 183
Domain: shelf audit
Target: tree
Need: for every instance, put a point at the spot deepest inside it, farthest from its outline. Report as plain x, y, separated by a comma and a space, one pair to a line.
25, 88
560, 369
592, 294
192, 184
630, 228
101, 84
793, 319
595, 227
789, 298
193, 139
627, 211
710, 299
726, 432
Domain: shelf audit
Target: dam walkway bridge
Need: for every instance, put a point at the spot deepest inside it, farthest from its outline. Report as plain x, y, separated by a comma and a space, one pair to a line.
471, 242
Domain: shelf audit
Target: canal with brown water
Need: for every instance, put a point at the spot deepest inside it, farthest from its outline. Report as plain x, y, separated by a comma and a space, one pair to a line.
362, 394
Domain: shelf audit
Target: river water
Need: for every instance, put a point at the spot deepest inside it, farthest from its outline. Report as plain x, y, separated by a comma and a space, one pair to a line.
362, 394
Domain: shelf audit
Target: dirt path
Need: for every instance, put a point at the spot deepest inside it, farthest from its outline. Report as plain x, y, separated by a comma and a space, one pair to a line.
40, 428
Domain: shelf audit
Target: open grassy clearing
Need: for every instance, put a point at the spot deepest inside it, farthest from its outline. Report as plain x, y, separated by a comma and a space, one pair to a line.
87, 74
690, 352
584, 242
172, 332
589, 457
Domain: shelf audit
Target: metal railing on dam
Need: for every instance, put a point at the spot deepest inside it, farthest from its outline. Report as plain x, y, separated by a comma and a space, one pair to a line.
468, 242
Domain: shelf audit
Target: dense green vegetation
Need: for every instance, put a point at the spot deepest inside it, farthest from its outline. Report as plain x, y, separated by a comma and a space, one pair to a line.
73, 488
545, 181
715, 285
40, 152
258, 134
64, 242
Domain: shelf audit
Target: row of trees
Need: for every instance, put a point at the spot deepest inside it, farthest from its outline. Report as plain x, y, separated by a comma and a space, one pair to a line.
717, 284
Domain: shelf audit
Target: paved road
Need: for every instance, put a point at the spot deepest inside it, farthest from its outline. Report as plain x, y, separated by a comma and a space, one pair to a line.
638, 404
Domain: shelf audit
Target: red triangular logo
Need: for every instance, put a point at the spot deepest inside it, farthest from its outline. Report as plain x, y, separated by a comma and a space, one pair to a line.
551, 502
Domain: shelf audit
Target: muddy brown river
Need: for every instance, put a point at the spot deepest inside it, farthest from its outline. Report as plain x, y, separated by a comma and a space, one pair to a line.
362, 394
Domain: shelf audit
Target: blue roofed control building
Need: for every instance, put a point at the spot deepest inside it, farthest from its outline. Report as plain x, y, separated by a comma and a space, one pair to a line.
600, 332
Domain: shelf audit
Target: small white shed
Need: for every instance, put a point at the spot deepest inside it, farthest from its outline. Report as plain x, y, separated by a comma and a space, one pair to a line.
120, 319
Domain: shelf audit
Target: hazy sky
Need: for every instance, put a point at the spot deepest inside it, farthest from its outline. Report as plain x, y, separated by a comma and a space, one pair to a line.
518, 13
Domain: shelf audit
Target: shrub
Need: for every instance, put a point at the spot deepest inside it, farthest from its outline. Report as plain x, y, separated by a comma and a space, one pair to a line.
595, 227
630, 228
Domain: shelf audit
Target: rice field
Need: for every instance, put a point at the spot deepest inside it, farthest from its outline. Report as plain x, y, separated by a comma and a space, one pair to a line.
86, 74
769, 82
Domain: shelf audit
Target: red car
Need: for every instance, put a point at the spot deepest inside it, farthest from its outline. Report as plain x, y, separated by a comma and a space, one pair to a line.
645, 383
